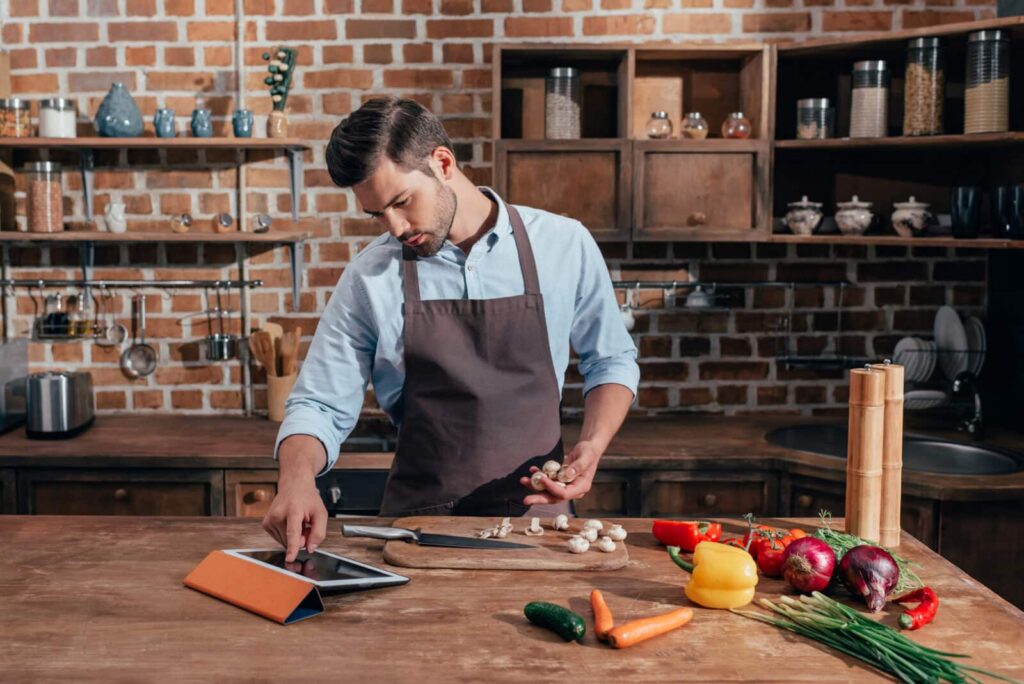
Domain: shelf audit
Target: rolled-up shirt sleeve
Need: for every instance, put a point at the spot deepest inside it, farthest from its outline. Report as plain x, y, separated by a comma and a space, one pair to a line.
605, 349
328, 394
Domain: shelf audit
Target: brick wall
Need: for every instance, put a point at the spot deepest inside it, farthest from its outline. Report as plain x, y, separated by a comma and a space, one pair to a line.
437, 51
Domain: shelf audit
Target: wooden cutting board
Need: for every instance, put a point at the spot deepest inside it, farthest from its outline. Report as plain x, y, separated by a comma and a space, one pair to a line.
552, 552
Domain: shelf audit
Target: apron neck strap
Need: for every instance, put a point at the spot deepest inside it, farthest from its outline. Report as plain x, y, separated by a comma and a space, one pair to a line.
527, 264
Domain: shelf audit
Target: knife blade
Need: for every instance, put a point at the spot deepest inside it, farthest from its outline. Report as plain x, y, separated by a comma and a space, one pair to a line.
428, 538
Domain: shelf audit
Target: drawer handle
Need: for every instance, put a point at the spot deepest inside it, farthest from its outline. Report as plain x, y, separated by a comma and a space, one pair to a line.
335, 494
256, 496
697, 218
804, 501
120, 494
710, 500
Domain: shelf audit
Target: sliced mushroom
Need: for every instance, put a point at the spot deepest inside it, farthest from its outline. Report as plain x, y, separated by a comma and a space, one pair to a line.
589, 533
537, 480
617, 533
534, 529
578, 544
551, 468
596, 524
561, 522
486, 534
606, 544
504, 529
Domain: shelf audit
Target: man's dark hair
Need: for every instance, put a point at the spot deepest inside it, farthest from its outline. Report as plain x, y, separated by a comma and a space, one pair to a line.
404, 130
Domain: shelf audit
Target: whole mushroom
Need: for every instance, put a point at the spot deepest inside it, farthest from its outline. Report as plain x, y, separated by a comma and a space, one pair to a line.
537, 480
561, 522
551, 468
617, 533
589, 533
596, 524
578, 544
606, 544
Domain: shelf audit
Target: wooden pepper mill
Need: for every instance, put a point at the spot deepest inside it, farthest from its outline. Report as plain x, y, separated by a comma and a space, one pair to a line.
892, 455
864, 452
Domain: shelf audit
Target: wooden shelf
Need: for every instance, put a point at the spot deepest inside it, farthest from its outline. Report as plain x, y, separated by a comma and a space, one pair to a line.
896, 240
96, 143
954, 141
78, 236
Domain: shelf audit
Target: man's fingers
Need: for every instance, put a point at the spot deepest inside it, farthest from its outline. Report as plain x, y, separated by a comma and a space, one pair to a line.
272, 527
317, 530
294, 537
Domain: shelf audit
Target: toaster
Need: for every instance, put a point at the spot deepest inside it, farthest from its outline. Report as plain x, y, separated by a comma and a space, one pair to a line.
58, 404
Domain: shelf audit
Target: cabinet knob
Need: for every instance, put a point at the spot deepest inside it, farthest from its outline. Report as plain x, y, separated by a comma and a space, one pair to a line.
256, 496
335, 494
804, 501
120, 494
697, 218
710, 500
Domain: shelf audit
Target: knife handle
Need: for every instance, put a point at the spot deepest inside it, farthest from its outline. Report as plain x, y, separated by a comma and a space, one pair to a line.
378, 532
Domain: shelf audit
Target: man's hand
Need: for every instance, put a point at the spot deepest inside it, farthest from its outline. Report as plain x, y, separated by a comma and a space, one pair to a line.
297, 517
581, 463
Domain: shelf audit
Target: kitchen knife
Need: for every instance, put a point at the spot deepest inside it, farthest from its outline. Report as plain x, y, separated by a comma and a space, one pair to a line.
428, 538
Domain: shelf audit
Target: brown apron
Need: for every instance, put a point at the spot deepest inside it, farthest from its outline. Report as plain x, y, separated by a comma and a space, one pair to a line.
480, 400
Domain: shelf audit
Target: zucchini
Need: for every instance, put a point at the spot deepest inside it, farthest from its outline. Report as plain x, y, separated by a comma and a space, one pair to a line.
562, 621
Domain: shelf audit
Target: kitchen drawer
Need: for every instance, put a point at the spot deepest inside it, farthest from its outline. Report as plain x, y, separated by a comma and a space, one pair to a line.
668, 494
612, 493
7, 491
121, 492
353, 492
248, 493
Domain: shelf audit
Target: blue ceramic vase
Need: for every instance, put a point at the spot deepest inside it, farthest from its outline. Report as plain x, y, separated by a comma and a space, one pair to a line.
202, 124
241, 121
163, 122
118, 115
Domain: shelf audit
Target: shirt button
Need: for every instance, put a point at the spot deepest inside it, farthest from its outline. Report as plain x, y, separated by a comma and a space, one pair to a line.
469, 268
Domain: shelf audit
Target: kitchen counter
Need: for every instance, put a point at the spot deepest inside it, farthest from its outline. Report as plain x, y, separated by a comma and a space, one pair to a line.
96, 599
682, 442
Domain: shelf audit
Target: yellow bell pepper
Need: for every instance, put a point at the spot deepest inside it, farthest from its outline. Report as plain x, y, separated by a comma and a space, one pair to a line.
723, 576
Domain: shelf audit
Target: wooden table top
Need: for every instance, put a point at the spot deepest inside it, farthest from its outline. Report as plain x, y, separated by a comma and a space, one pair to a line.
96, 599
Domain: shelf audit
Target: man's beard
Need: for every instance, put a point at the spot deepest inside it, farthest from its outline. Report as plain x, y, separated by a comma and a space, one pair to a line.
444, 216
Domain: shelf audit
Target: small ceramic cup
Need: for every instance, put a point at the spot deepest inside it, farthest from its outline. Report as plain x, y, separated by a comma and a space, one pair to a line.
241, 123
163, 122
202, 124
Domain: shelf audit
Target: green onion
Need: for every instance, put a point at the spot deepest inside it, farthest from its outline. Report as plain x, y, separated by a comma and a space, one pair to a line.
831, 623
841, 542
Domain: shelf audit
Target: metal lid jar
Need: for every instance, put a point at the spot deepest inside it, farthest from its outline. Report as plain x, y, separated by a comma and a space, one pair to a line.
562, 98
45, 197
57, 118
659, 126
987, 92
869, 109
815, 119
694, 127
924, 87
15, 120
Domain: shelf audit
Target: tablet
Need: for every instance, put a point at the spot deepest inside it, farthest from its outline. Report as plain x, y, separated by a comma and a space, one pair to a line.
330, 573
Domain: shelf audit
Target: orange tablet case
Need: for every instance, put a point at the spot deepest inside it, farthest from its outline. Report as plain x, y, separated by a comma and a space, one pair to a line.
276, 595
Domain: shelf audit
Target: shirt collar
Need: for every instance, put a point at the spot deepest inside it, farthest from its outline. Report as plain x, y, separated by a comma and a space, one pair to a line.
502, 226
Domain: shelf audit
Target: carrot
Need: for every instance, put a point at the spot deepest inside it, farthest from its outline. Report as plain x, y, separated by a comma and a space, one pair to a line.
636, 631
603, 622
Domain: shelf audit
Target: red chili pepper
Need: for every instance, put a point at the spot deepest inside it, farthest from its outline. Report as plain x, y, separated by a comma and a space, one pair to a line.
923, 613
686, 534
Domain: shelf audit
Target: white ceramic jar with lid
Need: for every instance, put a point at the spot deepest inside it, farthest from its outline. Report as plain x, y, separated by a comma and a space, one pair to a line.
911, 217
803, 217
854, 217
57, 118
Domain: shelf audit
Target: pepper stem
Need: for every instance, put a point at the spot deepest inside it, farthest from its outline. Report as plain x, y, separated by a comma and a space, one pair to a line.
673, 553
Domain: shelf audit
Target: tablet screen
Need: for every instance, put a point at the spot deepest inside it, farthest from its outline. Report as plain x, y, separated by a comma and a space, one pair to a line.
318, 567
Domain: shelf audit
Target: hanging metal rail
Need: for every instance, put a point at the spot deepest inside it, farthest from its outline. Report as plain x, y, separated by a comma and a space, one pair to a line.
132, 284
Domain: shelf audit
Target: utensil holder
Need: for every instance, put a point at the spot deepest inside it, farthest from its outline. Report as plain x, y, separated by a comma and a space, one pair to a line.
278, 389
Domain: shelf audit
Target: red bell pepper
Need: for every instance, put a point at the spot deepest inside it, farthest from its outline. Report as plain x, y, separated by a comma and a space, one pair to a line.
686, 534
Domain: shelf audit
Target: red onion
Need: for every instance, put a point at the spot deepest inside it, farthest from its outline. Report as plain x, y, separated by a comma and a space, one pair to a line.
871, 573
807, 564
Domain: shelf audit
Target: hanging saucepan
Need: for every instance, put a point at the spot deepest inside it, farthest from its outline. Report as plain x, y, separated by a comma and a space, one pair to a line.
139, 360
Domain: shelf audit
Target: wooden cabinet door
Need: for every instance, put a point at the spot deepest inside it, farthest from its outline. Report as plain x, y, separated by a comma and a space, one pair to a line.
121, 492
986, 540
711, 189
674, 494
353, 492
7, 489
613, 493
248, 493
588, 180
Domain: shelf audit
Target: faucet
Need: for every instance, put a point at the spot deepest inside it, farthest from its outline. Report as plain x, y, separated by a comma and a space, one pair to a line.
966, 385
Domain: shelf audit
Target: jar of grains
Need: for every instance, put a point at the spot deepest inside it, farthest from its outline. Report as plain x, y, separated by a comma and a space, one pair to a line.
44, 204
815, 119
14, 118
869, 109
924, 87
562, 104
987, 90
57, 118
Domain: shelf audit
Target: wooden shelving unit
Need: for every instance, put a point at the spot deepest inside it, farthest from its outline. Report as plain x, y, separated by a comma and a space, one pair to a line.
897, 241
79, 236
154, 143
959, 141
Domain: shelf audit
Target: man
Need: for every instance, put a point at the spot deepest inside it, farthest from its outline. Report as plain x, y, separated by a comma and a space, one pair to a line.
462, 315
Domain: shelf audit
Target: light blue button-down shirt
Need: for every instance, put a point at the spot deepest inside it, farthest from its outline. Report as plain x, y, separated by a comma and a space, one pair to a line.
359, 338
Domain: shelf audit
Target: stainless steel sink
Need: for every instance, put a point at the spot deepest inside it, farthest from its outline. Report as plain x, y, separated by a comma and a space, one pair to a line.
920, 453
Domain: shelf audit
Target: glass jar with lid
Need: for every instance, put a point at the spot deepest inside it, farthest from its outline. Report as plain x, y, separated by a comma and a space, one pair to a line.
987, 91
694, 126
924, 87
45, 197
15, 121
562, 97
736, 126
659, 126
815, 119
57, 118
869, 108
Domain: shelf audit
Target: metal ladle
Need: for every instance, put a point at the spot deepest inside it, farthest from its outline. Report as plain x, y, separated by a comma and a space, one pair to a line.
139, 360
